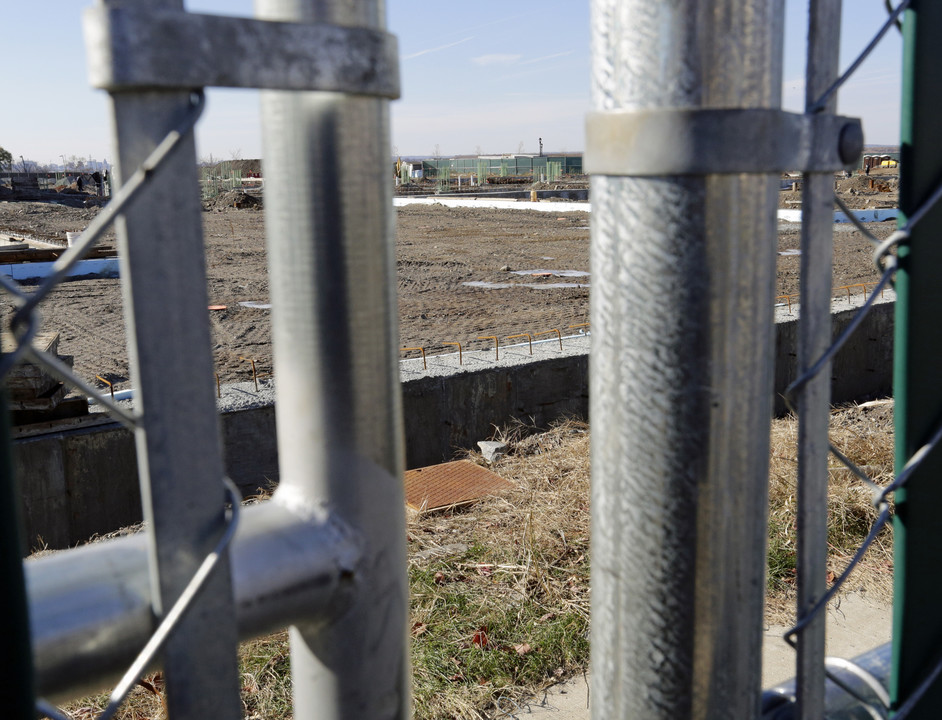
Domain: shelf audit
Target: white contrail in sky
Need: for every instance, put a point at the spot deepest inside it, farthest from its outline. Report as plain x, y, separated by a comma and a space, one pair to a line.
436, 49
496, 59
547, 57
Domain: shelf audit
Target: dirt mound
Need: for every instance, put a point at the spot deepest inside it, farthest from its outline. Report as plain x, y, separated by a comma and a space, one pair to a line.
874, 183
234, 199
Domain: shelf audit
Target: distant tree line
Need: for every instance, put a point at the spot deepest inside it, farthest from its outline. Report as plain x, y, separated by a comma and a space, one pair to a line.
73, 164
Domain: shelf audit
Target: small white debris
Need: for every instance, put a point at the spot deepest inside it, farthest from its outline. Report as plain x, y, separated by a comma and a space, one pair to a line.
492, 449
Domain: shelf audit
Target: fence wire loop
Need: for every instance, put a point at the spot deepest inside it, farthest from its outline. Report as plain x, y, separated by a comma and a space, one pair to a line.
883, 504
881, 254
914, 462
882, 501
24, 325
171, 619
792, 633
882, 257
876, 490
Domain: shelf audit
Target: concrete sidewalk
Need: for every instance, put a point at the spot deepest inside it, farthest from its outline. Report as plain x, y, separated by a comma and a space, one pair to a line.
855, 625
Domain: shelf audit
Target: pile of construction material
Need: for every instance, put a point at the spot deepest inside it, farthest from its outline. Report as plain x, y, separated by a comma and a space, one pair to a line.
35, 395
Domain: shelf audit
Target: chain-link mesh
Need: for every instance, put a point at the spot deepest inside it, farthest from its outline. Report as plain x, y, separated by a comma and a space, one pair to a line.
25, 322
24, 326
885, 262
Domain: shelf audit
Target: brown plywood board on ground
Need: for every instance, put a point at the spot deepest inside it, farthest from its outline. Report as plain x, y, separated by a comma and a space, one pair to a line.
449, 484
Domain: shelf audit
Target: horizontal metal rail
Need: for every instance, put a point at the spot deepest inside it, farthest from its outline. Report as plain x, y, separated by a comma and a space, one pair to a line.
90, 608
159, 48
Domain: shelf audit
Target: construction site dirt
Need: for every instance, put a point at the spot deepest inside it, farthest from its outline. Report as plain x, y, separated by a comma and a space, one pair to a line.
462, 273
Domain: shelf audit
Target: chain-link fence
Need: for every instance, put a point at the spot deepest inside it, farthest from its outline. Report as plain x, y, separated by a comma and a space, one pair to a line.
205, 572
680, 333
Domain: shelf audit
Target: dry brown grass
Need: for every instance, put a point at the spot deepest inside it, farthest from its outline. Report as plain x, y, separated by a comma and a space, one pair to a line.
865, 434
500, 589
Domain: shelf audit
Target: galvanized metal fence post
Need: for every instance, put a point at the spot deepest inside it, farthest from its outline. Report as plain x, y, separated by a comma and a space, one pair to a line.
331, 257
681, 381
917, 625
817, 219
179, 456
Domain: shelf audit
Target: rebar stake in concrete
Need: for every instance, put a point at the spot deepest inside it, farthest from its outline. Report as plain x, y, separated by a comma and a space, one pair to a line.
418, 349
110, 386
527, 336
496, 344
460, 361
254, 372
559, 335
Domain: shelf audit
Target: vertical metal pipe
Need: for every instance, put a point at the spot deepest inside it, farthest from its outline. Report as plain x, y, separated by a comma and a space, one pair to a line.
179, 455
683, 271
814, 337
917, 625
331, 251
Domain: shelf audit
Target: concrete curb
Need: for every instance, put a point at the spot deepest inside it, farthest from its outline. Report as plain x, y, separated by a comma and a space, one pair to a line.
856, 624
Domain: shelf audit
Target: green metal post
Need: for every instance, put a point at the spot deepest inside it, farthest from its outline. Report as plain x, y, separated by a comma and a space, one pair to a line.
917, 623
16, 659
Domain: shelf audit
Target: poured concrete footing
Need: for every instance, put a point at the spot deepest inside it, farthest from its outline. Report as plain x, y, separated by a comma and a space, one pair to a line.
81, 480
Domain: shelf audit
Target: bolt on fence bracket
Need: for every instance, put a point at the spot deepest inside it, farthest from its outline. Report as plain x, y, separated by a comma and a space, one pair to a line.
653, 143
134, 48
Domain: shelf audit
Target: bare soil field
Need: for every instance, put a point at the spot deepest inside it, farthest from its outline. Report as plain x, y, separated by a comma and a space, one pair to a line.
439, 251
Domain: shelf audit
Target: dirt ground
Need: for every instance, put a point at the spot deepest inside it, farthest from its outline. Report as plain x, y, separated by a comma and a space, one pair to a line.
438, 251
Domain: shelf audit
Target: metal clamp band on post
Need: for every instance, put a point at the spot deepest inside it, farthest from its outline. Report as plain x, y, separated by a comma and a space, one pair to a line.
131, 48
654, 143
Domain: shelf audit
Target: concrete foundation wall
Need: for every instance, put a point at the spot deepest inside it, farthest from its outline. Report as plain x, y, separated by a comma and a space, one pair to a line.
80, 482
862, 369
76, 484
576, 194
446, 414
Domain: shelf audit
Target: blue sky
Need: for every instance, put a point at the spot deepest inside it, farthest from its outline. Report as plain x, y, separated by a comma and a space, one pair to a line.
489, 76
